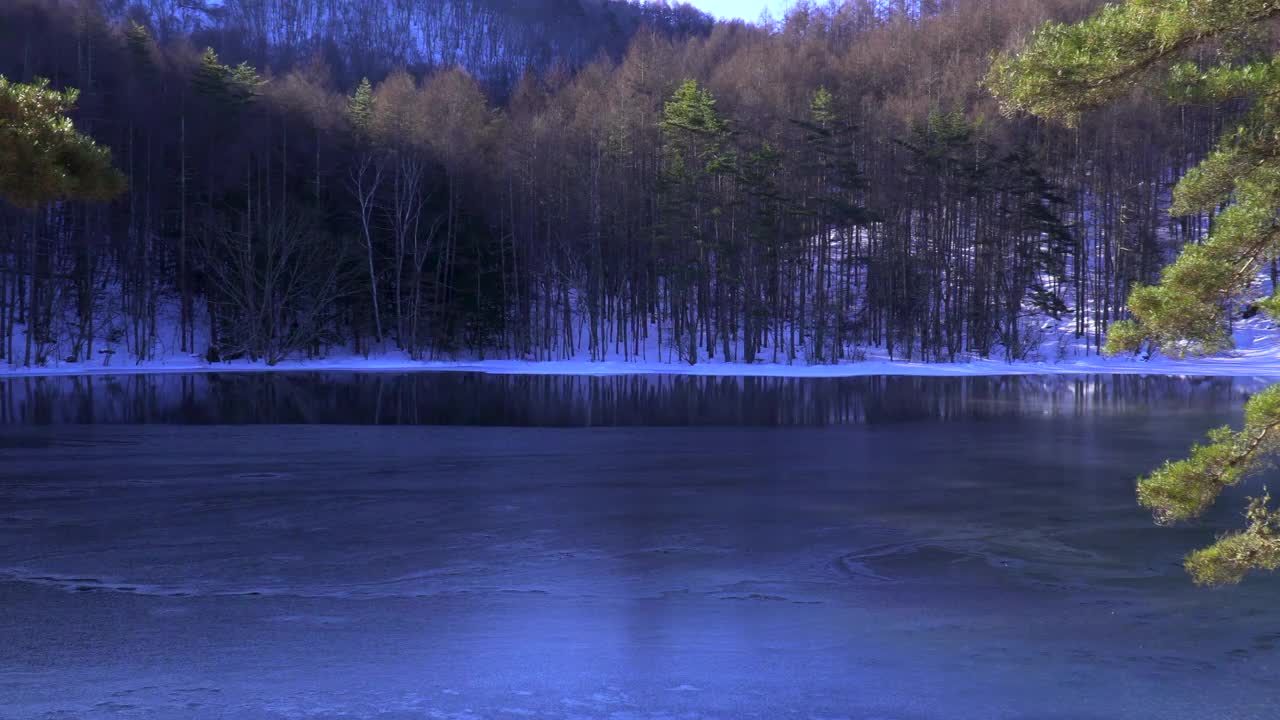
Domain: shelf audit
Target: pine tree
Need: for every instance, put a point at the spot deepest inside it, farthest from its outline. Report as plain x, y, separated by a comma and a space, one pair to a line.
360, 109
236, 86
1067, 70
43, 157
695, 159
139, 43
831, 204
365, 177
767, 206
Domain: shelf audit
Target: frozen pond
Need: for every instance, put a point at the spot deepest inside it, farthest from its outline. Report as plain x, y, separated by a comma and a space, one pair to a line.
337, 546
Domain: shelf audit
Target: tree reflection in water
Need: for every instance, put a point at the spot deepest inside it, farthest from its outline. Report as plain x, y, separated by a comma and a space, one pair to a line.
585, 401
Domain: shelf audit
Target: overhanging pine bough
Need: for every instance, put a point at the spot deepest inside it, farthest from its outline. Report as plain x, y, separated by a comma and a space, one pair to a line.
1066, 70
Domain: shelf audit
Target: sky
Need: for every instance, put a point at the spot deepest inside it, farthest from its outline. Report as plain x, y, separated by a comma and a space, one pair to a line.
741, 9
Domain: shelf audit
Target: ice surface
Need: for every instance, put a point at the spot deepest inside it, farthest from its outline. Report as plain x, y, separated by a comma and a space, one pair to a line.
956, 566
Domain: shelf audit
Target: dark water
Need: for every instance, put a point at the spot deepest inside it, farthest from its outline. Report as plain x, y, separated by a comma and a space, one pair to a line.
464, 399
467, 546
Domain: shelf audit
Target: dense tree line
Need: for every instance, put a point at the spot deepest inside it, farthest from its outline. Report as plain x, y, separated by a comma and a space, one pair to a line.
576, 178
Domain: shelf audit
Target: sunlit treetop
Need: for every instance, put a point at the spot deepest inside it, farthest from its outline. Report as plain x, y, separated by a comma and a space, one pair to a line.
695, 131
237, 86
43, 158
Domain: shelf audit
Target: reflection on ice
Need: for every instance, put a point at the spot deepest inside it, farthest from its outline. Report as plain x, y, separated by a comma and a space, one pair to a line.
578, 401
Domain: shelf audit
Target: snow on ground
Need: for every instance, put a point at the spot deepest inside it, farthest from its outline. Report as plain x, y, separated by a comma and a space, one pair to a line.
1055, 351
1261, 359
1257, 353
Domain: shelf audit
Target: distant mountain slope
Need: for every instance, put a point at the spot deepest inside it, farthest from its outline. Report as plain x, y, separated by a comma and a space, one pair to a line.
497, 40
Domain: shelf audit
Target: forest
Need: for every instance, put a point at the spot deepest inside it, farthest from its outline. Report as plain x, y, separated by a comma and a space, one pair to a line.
590, 179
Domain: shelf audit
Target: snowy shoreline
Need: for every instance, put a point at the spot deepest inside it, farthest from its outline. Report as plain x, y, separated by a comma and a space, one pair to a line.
1235, 365
1058, 351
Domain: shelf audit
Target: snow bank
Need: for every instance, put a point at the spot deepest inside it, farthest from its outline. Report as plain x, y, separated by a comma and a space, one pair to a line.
1261, 360
1257, 354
